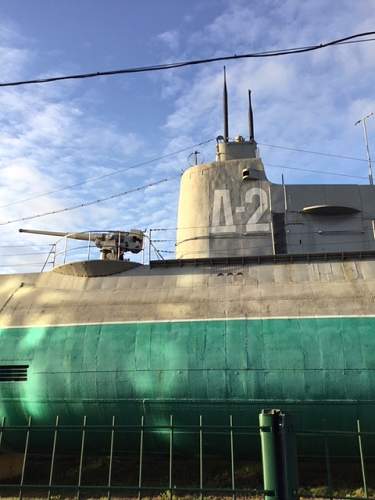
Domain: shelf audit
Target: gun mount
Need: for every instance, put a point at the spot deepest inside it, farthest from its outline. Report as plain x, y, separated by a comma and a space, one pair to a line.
112, 244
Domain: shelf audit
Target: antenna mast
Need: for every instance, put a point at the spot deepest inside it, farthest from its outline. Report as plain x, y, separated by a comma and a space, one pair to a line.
225, 109
363, 121
251, 120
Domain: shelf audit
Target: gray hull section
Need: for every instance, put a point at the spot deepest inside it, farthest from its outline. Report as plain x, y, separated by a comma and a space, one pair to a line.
190, 292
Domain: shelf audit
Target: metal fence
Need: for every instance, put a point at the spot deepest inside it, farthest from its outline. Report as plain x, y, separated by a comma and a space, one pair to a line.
137, 470
139, 487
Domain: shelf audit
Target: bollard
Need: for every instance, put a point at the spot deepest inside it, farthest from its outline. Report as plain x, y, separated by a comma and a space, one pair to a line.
279, 456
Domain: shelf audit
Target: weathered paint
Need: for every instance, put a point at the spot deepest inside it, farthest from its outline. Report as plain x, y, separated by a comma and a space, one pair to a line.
321, 369
191, 292
221, 214
159, 341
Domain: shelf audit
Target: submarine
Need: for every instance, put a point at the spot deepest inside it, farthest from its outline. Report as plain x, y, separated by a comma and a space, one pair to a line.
268, 303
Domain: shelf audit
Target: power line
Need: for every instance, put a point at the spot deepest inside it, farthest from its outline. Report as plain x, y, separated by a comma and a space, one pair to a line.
10, 244
103, 176
195, 62
25, 264
100, 200
89, 203
357, 41
313, 171
22, 254
320, 153
174, 153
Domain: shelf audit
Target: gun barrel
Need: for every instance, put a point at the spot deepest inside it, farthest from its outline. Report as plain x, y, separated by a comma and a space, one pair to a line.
99, 238
74, 236
46, 233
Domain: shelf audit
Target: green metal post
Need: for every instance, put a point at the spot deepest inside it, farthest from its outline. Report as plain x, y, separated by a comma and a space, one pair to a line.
279, 456
268, 422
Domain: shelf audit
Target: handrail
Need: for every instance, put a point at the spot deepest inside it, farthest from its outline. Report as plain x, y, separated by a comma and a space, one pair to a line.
53, 246
64, 251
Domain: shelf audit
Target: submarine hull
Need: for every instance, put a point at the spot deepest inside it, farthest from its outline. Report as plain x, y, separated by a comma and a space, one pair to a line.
239, 341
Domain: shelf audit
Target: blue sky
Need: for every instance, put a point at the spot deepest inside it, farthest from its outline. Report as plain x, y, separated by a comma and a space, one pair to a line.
61, 133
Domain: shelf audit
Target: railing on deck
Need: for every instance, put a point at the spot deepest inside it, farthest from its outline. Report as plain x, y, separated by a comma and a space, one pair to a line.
67, 249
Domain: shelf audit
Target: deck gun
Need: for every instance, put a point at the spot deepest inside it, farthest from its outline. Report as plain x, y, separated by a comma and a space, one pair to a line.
112, 244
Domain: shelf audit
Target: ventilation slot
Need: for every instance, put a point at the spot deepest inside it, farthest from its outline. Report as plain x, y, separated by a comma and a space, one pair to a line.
13, 373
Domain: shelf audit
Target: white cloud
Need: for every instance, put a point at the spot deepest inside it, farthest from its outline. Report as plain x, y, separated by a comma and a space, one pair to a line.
170, 38
48, 139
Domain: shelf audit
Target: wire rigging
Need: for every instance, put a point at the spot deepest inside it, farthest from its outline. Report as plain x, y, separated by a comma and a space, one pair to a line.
23, 254
174, 153
314, 171
89, 203
9, 266
37, 245
320, 153
356, 38
104, 176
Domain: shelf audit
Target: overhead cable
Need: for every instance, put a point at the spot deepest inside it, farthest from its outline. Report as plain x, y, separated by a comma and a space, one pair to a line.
22, 254
103, 176
356, 38
174, 153
9, 266
89, 203
24, 245
320, 153
313, 171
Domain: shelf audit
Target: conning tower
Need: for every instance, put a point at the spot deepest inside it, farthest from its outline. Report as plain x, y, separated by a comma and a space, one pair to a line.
224, 206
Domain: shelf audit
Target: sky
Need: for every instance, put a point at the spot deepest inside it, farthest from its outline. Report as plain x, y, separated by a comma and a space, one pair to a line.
62, 134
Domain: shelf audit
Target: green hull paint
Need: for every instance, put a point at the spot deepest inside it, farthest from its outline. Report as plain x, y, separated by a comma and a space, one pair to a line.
320, 369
